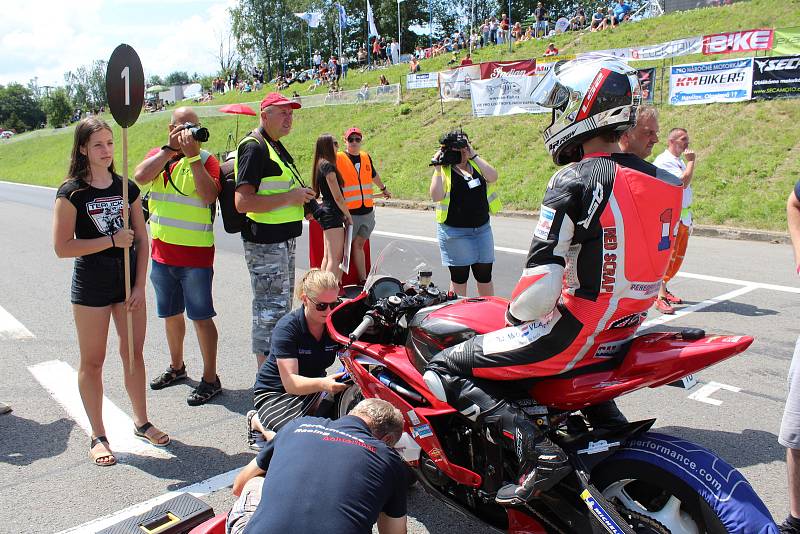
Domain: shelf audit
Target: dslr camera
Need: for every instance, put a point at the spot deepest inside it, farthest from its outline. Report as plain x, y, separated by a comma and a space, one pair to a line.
199, 133
451, 144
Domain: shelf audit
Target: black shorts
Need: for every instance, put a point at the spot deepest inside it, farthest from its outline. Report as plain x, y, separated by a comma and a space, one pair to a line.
329, 217
98, 281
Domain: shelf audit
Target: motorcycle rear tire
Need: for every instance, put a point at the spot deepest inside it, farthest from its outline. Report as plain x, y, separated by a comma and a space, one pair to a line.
647, 479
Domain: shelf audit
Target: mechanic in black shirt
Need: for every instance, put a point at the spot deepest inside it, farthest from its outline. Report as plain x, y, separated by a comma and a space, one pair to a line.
325, 476
272, 194
463, 188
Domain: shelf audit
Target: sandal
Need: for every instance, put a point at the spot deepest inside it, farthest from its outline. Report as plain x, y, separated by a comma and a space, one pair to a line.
141, 433
204, 392
106, 459
168, 377
253, 436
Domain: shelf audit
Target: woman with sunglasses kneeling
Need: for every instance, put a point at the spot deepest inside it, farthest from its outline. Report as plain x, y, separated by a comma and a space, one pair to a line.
291, 381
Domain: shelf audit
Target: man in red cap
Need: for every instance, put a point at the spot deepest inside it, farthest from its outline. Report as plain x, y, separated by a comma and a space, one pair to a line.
359, 174
273, 196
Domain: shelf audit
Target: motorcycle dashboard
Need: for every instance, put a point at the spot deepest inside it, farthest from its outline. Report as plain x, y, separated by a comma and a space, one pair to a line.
382, 288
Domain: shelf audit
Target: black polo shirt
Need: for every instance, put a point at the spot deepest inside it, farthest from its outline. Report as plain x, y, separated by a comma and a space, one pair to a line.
327, 476
291, 339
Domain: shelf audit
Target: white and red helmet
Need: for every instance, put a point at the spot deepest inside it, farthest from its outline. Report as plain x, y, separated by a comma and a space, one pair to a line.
588, 97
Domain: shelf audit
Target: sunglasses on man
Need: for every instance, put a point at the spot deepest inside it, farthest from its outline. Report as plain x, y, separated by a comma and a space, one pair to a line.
353, 139
320, 306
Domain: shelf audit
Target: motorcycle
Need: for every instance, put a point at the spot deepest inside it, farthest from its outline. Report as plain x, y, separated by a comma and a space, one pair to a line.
624, 478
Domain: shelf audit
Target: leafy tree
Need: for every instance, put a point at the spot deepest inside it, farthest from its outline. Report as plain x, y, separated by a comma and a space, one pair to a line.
155, 79
86, 86
177, 78
57, 107
19, 110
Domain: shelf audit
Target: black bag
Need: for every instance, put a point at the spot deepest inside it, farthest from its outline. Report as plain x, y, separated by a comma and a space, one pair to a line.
232, 219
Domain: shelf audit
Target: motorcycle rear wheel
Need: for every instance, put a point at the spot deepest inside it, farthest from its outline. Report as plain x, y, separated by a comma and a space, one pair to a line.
647, 490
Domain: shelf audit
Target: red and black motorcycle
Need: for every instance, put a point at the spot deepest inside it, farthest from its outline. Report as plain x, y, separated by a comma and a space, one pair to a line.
624, 479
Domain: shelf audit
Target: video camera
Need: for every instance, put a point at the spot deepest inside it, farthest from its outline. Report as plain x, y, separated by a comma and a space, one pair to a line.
199, 133
451, 145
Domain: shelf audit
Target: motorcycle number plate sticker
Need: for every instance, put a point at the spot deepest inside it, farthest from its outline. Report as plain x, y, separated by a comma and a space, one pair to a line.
412, 416
422, 431
605, 519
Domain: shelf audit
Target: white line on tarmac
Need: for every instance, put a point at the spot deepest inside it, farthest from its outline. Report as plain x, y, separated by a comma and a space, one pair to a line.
699, 306
10, 328
61, 381
704, 393
198, 490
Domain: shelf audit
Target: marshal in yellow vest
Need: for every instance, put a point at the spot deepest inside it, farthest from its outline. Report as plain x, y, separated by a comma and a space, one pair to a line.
442, 206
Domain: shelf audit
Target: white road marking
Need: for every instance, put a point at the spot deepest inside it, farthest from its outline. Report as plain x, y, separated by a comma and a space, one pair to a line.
61, 381
699, 306
198, 490
10, 328
704, 393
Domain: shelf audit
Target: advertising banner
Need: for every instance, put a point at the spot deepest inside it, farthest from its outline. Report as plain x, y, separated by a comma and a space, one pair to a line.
647, 82
776, 77
715, 81
454, 84
786, 41
678, 47
743, 41
423, 80
495, 69
505, 95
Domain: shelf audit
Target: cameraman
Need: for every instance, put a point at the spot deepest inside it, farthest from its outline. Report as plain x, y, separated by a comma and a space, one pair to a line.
185, 184
463, 188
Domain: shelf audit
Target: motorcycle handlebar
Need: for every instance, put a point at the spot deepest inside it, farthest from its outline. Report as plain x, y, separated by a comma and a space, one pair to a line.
366, 322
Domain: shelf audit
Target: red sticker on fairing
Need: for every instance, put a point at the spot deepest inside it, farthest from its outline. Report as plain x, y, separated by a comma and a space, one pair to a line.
591, 93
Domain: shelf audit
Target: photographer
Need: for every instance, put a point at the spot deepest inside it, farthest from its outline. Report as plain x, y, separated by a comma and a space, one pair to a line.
463, 188
185, 184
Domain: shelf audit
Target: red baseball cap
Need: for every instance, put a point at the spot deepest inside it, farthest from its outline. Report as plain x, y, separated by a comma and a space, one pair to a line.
352, 131
277, 99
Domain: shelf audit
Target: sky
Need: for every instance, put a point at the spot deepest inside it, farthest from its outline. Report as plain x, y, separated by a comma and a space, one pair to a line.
45, 38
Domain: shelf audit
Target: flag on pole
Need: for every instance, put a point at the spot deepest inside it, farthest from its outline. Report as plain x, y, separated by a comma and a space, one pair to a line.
313, 19
342, 15
371, 18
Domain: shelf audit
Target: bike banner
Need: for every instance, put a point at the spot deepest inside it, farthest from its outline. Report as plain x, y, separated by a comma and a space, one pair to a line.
647, 83
715, 81
678, 47
424, 80
496, 69
776, 77
504, 95
733, 42
454, 84
786, 41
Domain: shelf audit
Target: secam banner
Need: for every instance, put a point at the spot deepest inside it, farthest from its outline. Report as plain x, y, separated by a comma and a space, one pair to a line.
504, 95
786, 41
424, 80
679, 47
496, 69
454, 84
647, 82
733, 42
776, 77
715, 81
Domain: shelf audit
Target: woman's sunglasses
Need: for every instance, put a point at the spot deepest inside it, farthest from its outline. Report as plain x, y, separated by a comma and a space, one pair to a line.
320, 306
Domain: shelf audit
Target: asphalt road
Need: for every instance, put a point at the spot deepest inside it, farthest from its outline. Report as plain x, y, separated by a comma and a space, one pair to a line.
48, 484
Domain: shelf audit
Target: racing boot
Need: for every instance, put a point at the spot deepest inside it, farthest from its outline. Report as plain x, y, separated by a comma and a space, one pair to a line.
605, 416
459, 392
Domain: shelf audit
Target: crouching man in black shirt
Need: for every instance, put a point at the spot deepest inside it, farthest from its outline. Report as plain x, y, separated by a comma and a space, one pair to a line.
326, 476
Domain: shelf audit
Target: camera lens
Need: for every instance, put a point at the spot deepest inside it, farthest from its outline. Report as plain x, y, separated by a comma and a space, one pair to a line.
200, 134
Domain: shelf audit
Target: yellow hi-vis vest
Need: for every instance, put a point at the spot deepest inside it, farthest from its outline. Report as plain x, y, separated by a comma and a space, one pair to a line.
179, 216
272, 185
357, 188
491, 195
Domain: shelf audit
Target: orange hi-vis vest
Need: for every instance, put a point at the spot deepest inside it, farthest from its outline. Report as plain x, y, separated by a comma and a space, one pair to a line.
357, 189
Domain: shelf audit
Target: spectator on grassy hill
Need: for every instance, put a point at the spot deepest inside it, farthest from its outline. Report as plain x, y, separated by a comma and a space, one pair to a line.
361, 56
578, 22
610, 21
493, 30
597, 20
317, 59
467, 60
345, 63
540, 16
516, 32
485, 33
551, 50
363, 93
394, 50
621, 12
528, 35
503, 31
413, 65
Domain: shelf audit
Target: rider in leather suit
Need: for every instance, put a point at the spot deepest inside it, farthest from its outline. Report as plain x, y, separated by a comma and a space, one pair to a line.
596, 260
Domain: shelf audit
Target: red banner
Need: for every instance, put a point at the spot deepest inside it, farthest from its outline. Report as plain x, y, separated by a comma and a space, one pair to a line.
495, 69
743, 41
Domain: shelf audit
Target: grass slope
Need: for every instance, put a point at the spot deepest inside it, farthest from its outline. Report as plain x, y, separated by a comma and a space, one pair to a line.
747, 152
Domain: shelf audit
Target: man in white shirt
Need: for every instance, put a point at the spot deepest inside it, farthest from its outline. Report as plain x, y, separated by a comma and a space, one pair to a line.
670, 160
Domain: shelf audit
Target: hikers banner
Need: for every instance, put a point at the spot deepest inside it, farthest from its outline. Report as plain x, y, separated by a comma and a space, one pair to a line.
776, 77
715, 81
504, 95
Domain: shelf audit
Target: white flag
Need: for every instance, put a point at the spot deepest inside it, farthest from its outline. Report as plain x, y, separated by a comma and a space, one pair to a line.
372, 29
313, 19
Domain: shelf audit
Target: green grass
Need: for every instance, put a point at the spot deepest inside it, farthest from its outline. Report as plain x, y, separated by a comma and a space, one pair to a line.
747, 152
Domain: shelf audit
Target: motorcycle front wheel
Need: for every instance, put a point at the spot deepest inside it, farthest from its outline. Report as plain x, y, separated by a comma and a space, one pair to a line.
647, 490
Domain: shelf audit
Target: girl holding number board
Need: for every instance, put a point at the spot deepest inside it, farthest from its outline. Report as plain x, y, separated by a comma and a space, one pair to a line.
88, 226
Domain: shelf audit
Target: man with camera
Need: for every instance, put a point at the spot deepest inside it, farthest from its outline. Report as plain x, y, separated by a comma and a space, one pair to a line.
185, 184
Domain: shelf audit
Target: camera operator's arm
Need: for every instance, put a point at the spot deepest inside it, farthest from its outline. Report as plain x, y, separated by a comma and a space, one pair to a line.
437, 187
489, 173
204, 183
150, 168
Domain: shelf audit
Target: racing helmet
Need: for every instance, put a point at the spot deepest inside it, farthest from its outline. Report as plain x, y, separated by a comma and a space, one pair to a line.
588, 97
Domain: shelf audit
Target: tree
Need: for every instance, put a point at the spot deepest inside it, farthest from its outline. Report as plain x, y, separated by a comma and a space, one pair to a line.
86, 86
226, 54
19, 110
57, 107
177, 78
155, 79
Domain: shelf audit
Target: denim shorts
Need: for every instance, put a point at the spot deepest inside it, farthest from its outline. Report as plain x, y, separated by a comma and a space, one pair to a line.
465, 246
98, 280
183, 288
